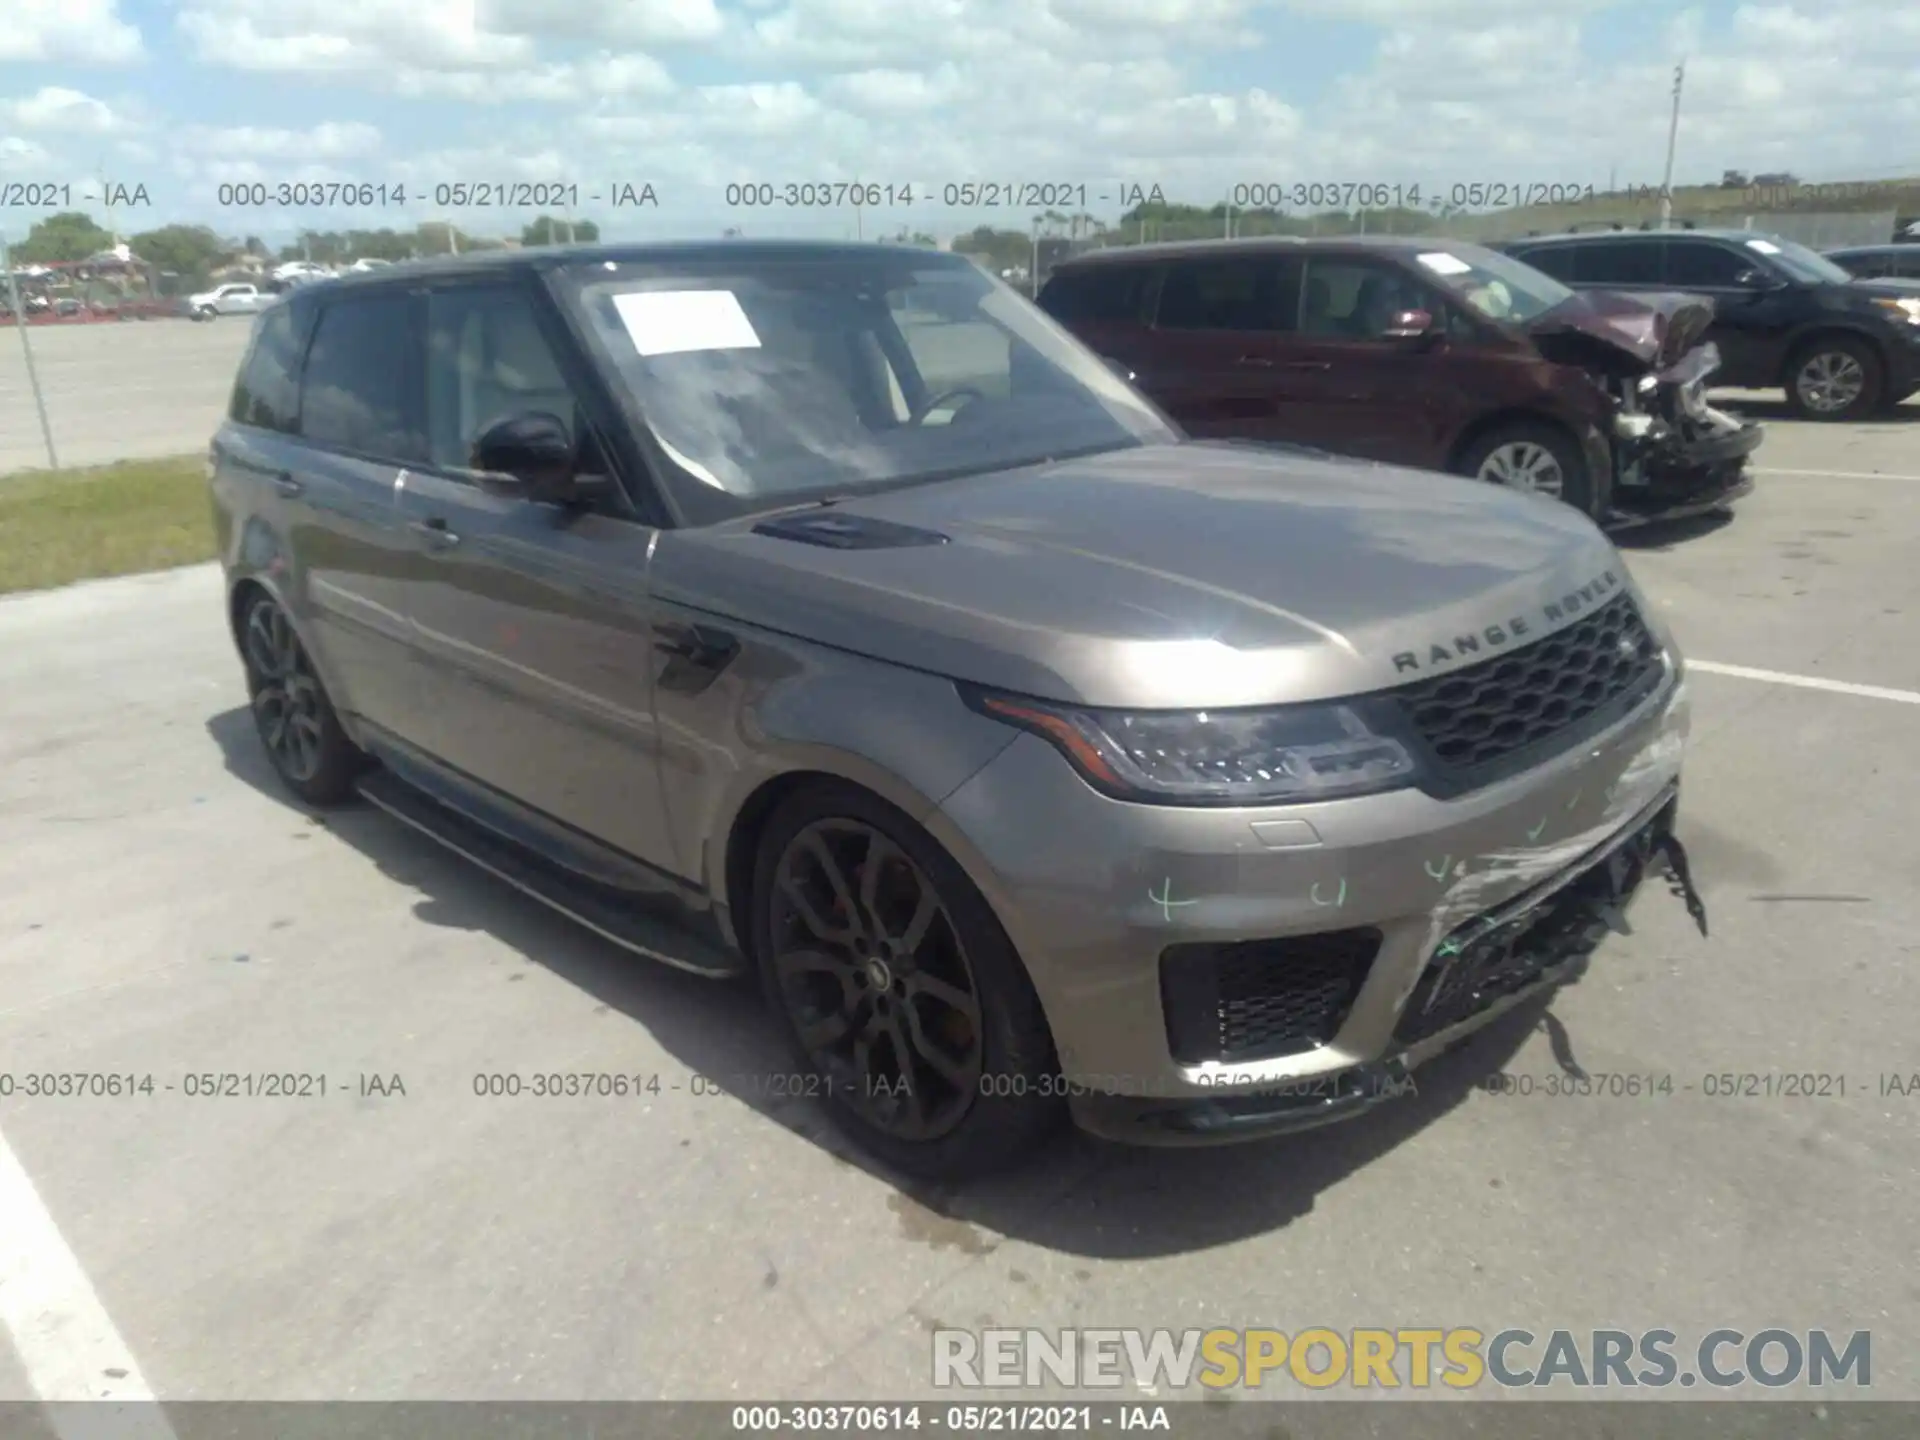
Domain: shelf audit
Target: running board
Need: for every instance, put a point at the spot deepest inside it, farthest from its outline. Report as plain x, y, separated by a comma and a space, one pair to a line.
610, 913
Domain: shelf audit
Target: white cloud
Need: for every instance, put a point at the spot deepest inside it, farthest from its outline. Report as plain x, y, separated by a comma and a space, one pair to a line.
640, 22
54, 107
338, 140
1150, 92
83, 31
336, 36
19, 155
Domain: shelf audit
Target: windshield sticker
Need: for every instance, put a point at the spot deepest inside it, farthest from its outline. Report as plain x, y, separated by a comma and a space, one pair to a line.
676, 322
1441, 263
1765, 247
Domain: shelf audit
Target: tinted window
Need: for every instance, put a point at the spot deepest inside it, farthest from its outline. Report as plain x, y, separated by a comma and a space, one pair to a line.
1100, 292
1906, 264
1619, 262
267, 393
1554, 260
487, 360
1699, 262
360, 381
1357, 299
1249, 294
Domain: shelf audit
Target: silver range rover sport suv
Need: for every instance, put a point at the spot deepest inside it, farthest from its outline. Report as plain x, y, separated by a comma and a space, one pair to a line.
827, 614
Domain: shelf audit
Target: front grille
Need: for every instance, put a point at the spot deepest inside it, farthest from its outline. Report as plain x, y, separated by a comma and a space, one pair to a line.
1259, 999
1482, 963
1479, 721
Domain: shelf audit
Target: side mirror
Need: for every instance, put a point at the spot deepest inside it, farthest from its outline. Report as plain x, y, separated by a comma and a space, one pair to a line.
1754, 278
530, 456
1120, 368
1411, 325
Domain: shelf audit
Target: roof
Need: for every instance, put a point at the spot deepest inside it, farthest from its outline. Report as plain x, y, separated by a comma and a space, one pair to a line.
1883, 248
546, 257
1635, 233
1254, 245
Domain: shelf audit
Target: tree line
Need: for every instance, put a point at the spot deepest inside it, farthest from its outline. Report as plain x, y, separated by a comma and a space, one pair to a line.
194, 253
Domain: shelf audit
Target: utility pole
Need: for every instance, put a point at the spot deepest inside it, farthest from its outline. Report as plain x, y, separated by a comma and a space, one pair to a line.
26, 346
1673, 139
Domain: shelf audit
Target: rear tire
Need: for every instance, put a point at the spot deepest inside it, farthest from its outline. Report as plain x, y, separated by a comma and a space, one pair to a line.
884, 962
1835, 377
292, 712
1533, 456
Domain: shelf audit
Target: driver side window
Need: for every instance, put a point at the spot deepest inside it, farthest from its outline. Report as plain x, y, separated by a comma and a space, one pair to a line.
1357, 299
487, 360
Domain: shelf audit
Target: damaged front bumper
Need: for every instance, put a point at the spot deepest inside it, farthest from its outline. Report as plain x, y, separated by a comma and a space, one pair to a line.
1674, 454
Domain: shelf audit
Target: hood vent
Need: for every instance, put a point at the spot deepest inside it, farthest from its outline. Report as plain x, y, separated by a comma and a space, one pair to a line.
835, 530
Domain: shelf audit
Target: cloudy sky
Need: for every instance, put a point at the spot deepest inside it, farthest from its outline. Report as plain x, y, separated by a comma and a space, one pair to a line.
1192, 95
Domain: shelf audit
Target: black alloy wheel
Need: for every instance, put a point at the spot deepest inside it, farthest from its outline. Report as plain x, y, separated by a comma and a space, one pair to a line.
900, 992
291, 711
876, 978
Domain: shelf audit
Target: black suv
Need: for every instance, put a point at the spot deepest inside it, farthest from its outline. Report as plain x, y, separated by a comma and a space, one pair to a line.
1784, 315
1879, 262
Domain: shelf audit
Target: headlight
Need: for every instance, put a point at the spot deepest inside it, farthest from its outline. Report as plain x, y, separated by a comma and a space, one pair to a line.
1904, 309
1216, 757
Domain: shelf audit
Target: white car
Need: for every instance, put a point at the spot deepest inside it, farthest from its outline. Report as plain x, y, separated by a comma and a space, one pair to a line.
233, 299
361, 266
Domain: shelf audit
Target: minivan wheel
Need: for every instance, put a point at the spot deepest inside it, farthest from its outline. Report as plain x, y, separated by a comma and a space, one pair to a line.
1532, 457
911, 1015
291, 709
1836, 378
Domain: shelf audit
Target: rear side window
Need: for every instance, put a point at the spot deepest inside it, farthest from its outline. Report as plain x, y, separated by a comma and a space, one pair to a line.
1099, 292
267, 393
361, 388
1554, 260
1700, 262
1905, 265
1619, 262
1242, 294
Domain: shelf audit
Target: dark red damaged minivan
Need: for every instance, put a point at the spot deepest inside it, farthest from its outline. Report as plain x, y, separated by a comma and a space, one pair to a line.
1430, 353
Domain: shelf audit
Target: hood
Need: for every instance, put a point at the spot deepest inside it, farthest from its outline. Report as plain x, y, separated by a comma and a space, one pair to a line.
1623, 333
1892, 287
1172, 575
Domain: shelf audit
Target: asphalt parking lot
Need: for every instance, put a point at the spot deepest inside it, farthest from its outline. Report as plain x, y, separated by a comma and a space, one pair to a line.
128, 391
165, 910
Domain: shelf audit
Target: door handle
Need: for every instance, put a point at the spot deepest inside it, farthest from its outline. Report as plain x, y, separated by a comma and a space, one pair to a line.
286, 485
435, 532
698, 645
1259, 361
1306, 365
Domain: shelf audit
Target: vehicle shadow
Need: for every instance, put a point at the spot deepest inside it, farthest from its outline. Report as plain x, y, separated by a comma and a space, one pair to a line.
1081, 1197
1666, 534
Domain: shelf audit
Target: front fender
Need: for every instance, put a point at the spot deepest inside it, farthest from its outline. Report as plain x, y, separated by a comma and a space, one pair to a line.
787, 709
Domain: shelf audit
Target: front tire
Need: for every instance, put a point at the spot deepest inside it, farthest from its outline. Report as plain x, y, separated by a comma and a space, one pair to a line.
901, 995
292, 712
1534, 457
1835, 377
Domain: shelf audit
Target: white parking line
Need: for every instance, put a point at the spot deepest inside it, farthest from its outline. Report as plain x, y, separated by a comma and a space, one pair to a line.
1836, 474
61, 1332
1805, 682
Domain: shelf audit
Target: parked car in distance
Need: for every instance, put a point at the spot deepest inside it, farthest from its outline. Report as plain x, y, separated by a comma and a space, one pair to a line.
1878, 262
1422, 352
1784, 315
237, 298
824, 612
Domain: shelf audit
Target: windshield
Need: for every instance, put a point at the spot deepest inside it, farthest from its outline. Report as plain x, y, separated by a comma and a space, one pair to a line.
768, 379
1498, 286
1809, 266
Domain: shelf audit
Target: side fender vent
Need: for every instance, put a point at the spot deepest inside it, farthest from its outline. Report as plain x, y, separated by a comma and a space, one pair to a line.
847, 532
